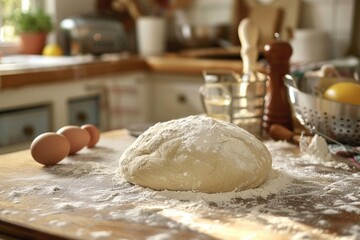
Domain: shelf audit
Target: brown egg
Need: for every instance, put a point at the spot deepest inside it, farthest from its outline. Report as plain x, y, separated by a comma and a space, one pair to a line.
49, 148
94, 134
77, 137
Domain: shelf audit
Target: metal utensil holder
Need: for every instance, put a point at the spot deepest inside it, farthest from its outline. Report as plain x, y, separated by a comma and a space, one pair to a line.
247, 97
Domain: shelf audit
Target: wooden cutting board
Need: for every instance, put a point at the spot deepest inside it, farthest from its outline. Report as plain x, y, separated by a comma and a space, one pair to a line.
290, 9
81, 198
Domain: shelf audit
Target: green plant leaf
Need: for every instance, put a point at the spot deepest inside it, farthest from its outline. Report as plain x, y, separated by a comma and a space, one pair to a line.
36, 21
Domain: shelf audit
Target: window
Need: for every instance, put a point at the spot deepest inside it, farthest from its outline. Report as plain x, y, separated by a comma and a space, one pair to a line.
8, 39
7, 33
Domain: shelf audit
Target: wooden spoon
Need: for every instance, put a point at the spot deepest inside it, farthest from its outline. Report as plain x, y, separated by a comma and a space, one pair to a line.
279, 132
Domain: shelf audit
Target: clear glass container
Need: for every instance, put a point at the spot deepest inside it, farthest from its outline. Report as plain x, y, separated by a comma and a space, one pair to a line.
247, 97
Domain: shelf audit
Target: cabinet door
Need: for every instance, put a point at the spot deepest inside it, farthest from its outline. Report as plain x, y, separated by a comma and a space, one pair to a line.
23, 124
84, 110
174, 98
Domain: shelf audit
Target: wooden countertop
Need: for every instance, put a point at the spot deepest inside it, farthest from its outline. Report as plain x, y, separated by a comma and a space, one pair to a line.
170, 63
82, 198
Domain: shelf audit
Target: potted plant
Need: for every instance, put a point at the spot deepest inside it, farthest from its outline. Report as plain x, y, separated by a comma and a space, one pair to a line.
32, 27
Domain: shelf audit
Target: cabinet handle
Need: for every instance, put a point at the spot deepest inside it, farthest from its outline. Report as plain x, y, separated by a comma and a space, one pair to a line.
94, 87
28, 130
182, 99
81, 117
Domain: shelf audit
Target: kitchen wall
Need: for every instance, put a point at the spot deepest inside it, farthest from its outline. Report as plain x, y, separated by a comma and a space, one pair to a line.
335, 17
61, 9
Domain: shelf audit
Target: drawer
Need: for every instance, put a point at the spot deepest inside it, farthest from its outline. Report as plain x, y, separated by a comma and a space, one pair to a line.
84, 110
24, 124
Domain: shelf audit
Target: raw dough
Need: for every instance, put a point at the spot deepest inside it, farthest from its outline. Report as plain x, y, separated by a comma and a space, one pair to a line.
196, 153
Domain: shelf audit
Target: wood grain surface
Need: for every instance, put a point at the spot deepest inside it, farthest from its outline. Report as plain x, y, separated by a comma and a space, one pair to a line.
169, 63
30, 195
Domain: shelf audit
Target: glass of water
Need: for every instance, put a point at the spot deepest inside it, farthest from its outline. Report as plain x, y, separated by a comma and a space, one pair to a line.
216, 100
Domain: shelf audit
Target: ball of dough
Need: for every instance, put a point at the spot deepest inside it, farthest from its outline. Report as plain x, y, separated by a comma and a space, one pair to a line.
197, 154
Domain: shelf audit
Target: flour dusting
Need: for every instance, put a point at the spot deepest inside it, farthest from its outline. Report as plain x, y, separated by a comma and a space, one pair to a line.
198, 154
58, 223
275, 181
101, 234
297, 192
68, 206
318, 151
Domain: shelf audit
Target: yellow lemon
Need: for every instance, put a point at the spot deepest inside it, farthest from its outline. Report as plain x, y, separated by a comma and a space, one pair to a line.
344, 92
52, 50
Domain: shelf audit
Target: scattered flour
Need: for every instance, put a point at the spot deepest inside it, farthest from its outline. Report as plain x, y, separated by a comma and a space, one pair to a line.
276, 181
330, 212
100, 234
68, 206
161, 236
8, 212
300, 188
318, 152
58, 223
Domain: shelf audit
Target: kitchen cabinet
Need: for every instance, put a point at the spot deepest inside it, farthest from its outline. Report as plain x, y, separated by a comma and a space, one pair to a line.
150, 97
73, 102
25, 103
175, 96
108, 101
84, 110
23, 124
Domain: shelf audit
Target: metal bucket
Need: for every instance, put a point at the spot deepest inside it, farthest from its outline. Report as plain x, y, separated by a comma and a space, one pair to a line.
247, 97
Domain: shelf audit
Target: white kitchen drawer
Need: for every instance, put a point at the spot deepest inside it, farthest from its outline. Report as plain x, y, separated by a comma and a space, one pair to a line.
23, 124
175, 99
84, 110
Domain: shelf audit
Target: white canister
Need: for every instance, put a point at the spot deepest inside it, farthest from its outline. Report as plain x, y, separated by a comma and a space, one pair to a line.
310, 45
151, 36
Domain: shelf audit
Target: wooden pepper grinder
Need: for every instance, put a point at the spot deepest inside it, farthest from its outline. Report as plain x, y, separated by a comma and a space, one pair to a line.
277, 106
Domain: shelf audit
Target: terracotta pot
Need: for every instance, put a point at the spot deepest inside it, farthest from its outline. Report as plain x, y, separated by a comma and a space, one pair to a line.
33, 43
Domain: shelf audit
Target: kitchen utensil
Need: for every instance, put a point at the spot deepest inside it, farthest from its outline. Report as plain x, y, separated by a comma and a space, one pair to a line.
247, 97
279, 132
126, 5
277, 108
248, 34
337, 122
248, 89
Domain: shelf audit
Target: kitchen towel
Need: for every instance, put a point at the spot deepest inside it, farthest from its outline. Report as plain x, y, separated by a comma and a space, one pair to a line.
118, 105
